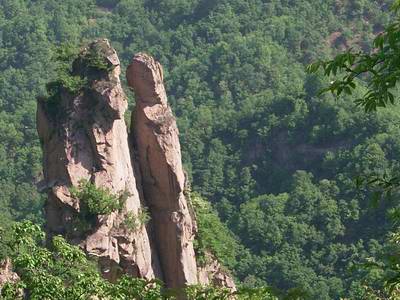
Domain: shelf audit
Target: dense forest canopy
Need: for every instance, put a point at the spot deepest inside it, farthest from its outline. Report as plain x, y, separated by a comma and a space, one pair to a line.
277, 160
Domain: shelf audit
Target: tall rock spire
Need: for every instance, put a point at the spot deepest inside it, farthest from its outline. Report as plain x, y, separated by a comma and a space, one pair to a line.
84, 137
86, 147
157, 143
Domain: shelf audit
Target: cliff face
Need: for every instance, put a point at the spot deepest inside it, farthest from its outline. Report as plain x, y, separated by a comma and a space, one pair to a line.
84, 137
157, 143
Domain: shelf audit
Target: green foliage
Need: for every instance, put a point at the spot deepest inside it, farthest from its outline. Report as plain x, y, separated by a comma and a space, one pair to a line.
96, 59
63, 272
95, 200
212, 293
308, 217
73, 81
213, 236
135, 288
133, 221
379, 69
62, 59
249, 118
5, 238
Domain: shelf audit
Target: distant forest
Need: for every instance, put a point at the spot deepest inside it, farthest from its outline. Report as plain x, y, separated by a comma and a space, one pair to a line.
276, 160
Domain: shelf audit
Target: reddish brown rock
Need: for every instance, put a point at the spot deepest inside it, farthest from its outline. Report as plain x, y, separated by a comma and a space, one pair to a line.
157, 144
85, 137
7, 275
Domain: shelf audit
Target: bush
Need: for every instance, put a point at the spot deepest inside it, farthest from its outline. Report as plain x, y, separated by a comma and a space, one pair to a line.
199, 292
62, 58
97, 60
95, 200
64, 272
213, 235
66, 78
134, 221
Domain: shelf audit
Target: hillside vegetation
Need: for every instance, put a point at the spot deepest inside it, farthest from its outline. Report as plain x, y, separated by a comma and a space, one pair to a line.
275, 159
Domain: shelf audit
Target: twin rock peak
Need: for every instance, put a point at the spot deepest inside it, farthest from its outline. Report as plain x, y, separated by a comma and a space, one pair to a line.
86, 138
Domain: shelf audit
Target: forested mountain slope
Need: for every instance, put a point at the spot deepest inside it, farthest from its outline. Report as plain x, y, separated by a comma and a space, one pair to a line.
277, 161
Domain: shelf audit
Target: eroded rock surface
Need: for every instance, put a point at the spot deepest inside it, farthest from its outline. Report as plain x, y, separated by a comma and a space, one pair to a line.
7, 275
213, 273
158, 147
85, 137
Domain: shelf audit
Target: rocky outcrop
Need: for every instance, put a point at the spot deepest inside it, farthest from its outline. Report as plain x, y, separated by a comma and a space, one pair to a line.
7, 275
212, 273
84, 136
157, 143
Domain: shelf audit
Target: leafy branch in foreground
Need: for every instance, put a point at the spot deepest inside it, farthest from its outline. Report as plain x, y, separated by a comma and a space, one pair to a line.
63, 271
383, 186
379, 69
